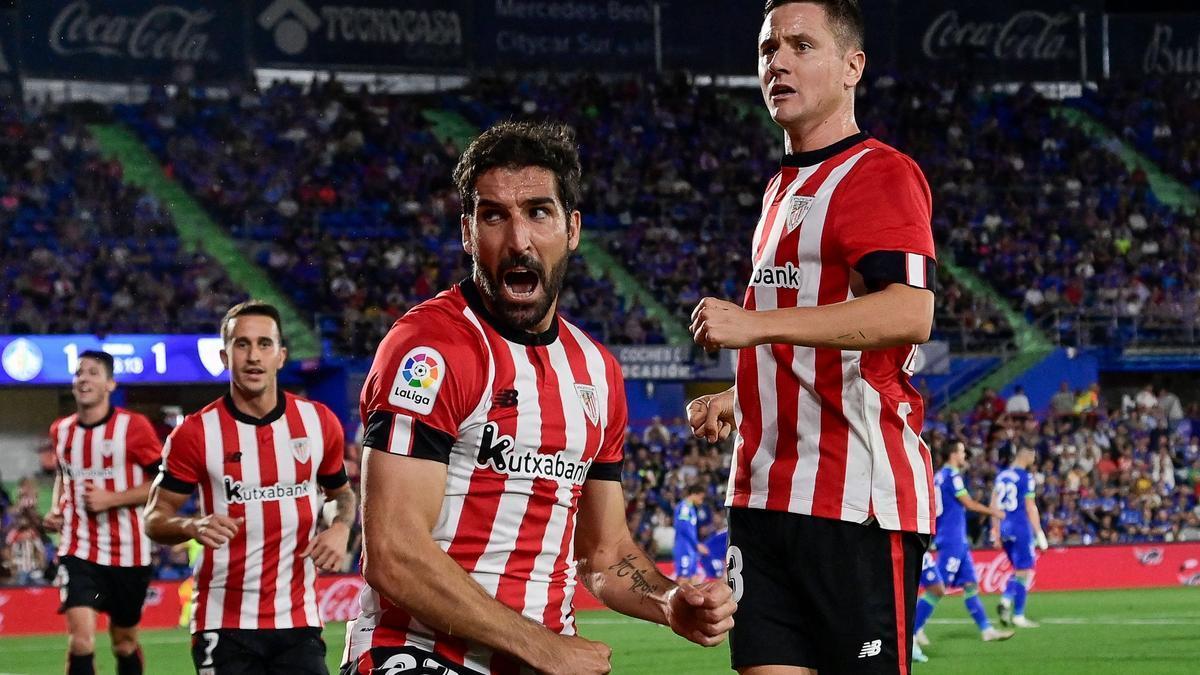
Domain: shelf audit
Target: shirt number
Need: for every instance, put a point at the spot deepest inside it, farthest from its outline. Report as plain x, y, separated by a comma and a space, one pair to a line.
733, 573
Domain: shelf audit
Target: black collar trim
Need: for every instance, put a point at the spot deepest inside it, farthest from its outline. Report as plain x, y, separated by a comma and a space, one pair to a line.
475, 302
112, 410
270, 417
820, 155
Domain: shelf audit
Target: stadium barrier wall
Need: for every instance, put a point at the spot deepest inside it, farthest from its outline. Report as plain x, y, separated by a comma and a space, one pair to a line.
34, 610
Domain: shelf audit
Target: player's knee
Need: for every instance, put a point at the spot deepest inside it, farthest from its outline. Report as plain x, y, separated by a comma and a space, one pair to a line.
970, 590
936, 591
81, 643
124, 646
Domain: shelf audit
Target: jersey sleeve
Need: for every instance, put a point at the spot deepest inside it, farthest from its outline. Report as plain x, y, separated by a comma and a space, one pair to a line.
883, 222
1030, 485
142, 444
331, 475
960, 488
611, 458
427, 377
183, 458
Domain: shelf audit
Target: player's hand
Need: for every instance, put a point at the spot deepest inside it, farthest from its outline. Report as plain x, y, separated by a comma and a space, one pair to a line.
571, 654
53, 521
328, 549
97, 499
717, 324
702, 548
711, 416
701, 613
215, 530
1042, 542
997, 512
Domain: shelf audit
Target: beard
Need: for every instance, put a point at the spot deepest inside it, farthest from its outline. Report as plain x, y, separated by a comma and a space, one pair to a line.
523, 316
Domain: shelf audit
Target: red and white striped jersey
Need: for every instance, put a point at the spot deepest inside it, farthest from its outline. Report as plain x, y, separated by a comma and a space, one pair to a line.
522, 421
114, 454
823, 432
266, 470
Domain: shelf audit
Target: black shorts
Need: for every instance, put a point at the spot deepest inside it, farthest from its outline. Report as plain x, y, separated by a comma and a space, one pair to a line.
822, 593
405, 661
281, 651
119, 592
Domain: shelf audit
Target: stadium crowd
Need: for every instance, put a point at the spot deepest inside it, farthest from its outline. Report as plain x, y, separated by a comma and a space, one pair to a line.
85, 251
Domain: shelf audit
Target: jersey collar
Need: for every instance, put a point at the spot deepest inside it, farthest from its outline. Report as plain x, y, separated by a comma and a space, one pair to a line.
112, 409
270, 417
475, 301
820, 155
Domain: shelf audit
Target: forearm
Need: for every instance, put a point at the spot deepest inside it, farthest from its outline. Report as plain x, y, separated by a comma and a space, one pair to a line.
347, 506
132, 497
170, 530
415, 574
625, 579
874, 321
977, 507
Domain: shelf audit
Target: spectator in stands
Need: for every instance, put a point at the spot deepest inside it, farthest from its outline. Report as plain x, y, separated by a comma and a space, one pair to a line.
1018, 403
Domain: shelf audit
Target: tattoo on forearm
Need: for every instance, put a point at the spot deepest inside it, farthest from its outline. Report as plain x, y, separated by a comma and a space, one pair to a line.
347, 506
639, 579
853, 336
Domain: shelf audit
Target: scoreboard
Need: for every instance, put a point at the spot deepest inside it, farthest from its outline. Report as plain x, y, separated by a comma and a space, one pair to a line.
137, 359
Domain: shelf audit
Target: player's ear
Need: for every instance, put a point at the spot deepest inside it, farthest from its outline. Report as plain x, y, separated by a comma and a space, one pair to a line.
282, 356
225, 359
468, 242
856, 63
574, 223
111, 385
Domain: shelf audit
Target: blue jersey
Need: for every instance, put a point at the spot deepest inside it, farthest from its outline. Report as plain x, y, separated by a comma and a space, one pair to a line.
718, 546
952, 521
686, 528
1013, 487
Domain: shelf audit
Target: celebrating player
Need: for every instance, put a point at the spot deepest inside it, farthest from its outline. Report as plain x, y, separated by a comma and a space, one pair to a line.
258, 456
494, 450
1020, 530
831, 485
106, 458
689, 551
955, 565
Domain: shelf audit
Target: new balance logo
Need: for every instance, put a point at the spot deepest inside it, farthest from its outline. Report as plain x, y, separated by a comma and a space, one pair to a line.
505, 398
871, 648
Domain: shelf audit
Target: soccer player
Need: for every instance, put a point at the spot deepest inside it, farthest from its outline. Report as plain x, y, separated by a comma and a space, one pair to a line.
107, 457
260, 458
931, 584
494, 438
717, 544
955, 565
832, 486
1018, 530
688, 548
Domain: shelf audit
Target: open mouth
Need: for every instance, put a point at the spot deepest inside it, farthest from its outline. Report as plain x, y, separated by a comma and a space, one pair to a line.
781, 90
254, 371
521, 282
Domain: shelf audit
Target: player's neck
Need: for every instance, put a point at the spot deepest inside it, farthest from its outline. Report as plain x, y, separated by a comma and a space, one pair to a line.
255, 405
806, 136
92, 414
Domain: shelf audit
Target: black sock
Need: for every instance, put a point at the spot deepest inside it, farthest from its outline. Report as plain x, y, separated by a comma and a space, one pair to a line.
80, 664
130, 664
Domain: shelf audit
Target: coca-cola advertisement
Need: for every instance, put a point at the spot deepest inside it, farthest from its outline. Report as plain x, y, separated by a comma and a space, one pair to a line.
133, 40
1043, 40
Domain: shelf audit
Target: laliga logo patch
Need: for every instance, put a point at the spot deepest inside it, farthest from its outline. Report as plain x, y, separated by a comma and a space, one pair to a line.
418, 379
800, 207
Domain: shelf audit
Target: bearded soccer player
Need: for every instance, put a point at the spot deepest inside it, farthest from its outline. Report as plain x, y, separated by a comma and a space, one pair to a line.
832, 487
260, 458
494, 437
106, 459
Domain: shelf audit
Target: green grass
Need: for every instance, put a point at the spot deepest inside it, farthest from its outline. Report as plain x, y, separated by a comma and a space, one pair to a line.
1146, 631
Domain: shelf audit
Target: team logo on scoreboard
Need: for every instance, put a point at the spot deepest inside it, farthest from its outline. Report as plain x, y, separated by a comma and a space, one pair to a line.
209, 349
418, 380
301, 450
22, 360
591, 405
800, 206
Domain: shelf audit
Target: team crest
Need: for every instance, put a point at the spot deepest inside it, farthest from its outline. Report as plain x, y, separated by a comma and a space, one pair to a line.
800, 206
106, 448
300, 450
591, 405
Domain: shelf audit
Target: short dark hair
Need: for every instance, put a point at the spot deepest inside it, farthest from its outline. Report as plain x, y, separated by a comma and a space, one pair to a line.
250, 308
845, 19
513, 145
694, 489
104, 358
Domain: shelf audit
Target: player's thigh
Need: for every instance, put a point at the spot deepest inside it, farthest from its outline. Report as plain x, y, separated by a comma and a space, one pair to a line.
859, 584
777, 670
127, 588
950, 567
1020, 553
772, 626
81, 622
227, 652
300, 651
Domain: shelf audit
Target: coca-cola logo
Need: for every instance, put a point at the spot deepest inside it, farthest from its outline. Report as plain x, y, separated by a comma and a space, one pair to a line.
1025, 36
994, 574
161, 33
1164, 57
339, 602
1189, 572
1148, 556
